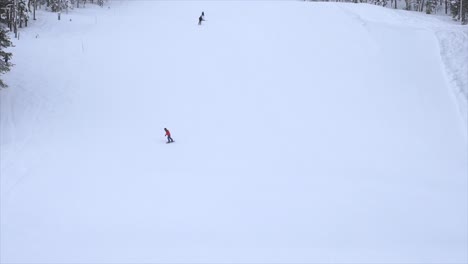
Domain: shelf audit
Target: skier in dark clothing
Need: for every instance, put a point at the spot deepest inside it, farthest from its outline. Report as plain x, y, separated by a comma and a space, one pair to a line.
168, 134
200, 19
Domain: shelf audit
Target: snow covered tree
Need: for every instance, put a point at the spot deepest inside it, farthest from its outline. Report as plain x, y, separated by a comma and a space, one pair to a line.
380, 2
23, 13
412, 4
431, 6
457, 13
4, 56
54, 5
66, 5
8, 10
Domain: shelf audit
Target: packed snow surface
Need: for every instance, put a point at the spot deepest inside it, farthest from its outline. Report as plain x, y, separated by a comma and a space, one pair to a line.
305, 132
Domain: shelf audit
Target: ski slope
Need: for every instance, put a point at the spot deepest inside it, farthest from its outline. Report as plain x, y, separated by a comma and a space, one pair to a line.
305, 133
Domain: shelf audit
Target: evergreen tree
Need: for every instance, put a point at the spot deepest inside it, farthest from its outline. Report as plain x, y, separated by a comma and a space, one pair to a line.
431, 6
455, 10
23, 13
54, 5
4, 56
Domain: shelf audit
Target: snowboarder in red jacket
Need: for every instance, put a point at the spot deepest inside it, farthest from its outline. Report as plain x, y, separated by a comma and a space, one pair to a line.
168, 134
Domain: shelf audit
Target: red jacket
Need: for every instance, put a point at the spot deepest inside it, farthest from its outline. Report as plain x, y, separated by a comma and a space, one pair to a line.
168, 133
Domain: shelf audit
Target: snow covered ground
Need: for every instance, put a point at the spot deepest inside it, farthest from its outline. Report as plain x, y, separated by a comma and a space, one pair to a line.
305, 132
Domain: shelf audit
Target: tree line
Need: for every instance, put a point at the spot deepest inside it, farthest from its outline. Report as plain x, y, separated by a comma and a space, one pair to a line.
458, 9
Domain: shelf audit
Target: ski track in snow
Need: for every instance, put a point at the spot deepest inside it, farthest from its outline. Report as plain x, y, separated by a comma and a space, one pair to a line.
454, 44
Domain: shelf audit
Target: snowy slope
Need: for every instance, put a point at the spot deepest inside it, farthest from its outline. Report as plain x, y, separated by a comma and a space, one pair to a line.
305, 132
453, 45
